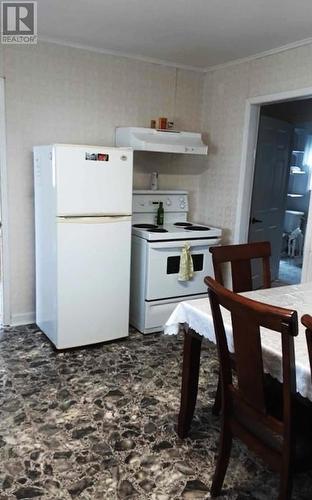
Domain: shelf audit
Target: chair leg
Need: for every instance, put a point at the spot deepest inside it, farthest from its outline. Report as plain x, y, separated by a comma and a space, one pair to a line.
222, 461
285, 481
190, 374
218, 399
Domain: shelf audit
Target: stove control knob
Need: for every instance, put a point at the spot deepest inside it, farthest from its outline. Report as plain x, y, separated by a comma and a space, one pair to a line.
168, 202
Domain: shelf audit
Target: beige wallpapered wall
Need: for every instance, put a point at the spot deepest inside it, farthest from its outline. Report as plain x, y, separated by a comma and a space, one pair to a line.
61, 94
225, 94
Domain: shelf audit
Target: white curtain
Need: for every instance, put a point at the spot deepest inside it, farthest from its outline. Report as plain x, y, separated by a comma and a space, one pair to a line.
307, 260
307, 158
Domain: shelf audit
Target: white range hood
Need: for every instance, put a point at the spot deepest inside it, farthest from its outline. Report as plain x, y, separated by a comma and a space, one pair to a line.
161, 141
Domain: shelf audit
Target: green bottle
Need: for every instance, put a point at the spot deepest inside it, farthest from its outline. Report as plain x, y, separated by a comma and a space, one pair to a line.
160, 214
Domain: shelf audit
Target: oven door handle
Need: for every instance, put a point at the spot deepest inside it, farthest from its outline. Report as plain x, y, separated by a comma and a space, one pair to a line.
163, 245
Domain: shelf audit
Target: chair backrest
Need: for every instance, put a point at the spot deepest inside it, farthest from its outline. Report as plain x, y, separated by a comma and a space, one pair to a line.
306, 320
247, 397
240, 258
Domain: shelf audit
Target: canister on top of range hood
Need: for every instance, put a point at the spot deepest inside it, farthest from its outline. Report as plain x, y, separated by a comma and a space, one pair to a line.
154, 181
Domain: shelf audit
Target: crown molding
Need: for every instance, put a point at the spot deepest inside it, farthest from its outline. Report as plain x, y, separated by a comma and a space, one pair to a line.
118, 53
161, 62
260, 55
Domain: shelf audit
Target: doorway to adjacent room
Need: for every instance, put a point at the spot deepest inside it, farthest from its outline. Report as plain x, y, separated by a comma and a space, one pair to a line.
283, 124
281, 187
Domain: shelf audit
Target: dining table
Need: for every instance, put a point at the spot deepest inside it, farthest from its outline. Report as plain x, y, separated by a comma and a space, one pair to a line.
195, 317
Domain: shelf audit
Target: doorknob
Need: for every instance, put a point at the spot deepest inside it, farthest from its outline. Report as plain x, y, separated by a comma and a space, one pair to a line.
254, 221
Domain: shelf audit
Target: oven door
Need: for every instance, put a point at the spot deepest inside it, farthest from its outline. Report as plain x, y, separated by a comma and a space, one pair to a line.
163, 263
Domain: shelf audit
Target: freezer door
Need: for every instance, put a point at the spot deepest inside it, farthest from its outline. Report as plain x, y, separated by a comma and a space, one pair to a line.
93, 277
93, 180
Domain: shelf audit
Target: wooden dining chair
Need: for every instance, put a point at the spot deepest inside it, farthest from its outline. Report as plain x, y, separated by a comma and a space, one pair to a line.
245, 405
240, 258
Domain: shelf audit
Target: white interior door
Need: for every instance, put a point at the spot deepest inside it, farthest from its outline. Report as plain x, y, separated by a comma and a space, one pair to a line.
93, 279
269, 189
93, 180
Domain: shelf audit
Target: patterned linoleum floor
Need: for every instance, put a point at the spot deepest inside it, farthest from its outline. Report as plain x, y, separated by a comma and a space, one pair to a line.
99, 423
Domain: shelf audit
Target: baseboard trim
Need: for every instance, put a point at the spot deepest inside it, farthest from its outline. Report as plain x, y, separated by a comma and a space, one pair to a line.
23, 319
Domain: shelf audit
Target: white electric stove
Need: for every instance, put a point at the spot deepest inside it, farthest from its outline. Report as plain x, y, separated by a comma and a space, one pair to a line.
176, 231
156, 251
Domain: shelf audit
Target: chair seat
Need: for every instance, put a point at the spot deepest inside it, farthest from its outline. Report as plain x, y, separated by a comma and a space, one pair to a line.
302, 418
302, 413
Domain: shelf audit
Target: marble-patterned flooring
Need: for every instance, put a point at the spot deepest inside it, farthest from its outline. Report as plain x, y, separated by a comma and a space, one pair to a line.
99, 423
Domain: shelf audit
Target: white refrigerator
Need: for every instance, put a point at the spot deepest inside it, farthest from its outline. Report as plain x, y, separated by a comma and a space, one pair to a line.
83, 203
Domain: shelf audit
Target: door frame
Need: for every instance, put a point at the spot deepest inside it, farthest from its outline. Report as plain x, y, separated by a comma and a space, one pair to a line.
5, 249
247, 167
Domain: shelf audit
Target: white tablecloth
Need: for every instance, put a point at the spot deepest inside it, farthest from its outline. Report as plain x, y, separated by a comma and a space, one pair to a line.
197, 314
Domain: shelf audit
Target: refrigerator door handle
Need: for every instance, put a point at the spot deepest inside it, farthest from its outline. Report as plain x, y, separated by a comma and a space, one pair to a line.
94, 220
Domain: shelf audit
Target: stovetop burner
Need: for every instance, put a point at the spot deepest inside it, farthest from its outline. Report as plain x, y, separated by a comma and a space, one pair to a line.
158, 230
197, 228
145, 226
182, 224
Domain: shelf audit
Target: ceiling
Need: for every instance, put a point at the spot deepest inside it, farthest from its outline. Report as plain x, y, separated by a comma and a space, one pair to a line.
198, 33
